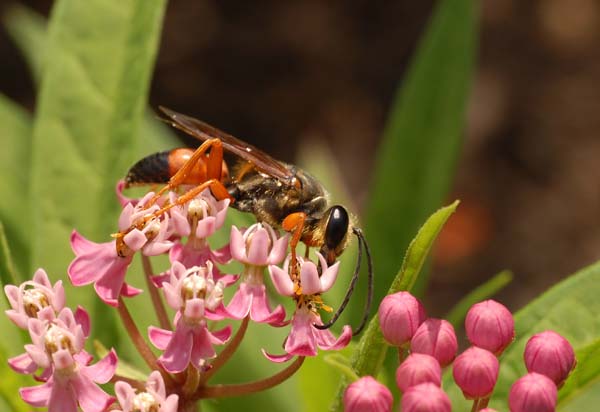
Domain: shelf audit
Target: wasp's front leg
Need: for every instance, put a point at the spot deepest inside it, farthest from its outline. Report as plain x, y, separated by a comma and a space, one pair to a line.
294, 223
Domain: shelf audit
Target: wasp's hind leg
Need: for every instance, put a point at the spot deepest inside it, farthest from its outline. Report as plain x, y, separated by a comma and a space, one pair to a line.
294, 223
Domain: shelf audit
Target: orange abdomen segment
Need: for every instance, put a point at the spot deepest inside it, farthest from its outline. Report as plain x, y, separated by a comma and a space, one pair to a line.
160, 167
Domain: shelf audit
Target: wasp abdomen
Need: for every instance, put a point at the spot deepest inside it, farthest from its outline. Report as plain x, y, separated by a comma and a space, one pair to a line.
151, 169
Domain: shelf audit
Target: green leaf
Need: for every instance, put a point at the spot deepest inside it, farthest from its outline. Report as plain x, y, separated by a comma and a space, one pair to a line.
11, 382
571, 309
416, 158
27, 28
370, 352
15, 141
484, 291
7, 268
586, 373
90, 108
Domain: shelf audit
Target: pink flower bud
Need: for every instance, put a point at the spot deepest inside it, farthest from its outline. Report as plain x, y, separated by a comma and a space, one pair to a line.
550, 354
367, 395
400, 315
436, 337
418, 368
490, 326
488, 410
476, 372
533, 392
426, 397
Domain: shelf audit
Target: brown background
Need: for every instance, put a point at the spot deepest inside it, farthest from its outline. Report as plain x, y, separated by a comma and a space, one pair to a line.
276, 72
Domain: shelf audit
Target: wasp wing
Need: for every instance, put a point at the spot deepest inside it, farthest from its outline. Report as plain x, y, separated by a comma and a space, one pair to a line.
203, 131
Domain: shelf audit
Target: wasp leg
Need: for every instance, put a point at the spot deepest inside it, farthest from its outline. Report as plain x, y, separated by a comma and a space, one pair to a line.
294, 223
213, 167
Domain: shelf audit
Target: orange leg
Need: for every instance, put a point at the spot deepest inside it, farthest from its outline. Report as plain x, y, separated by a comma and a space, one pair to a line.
214, 166
294, 223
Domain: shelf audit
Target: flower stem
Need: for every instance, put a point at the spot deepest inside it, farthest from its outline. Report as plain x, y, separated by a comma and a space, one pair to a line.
139, 342
402, 353
192, 380
159, 307
139, 385
221, 391
226, 353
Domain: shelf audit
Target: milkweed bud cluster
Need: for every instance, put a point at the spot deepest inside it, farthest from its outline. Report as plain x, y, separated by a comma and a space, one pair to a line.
427, 345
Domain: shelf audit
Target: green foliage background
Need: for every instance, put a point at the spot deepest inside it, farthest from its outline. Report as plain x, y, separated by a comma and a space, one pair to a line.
92, 63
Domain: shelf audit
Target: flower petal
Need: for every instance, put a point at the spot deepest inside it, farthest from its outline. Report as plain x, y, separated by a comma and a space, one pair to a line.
309, 278
281, 280
104, 369
37, 395
258, 247
159, 337
277, 358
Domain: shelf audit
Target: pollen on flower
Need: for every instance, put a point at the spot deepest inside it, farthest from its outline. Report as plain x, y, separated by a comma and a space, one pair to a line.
145, 402
56, 338
34, 300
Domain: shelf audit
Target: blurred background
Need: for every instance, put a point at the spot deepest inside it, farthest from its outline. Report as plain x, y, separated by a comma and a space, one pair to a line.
284, 74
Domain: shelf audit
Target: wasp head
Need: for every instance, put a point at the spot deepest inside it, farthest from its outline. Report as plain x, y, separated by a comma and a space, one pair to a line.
336, 224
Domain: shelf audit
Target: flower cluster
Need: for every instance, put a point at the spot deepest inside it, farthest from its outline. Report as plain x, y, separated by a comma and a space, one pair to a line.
192, 285
427, 345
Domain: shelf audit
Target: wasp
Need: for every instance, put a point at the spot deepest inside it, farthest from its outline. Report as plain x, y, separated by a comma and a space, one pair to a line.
280, 194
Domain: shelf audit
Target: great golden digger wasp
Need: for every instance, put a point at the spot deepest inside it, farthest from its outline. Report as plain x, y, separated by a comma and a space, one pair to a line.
280, 194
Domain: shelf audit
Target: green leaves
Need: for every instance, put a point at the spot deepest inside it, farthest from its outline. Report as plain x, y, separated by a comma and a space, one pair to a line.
84, 135
415, 161
370, 352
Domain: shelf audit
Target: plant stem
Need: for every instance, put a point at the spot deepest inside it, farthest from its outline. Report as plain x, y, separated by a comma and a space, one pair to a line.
192, 380
221, 391
226, 353
159, 306
139, 385
476, 405
139, 342
402, 353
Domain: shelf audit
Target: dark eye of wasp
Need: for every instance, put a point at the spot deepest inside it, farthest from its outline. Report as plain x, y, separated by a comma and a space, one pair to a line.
337, 227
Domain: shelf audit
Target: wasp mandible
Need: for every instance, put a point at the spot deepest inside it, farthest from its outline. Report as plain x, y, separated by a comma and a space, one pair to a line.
280, 194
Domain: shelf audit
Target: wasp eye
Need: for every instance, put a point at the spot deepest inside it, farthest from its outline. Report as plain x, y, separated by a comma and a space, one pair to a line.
337, 227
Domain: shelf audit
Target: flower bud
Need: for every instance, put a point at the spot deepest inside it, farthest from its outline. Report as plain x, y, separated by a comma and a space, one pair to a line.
533, 392
418, 368
488, 410
436, 337
490, 326
367, 395
550, 354
426, 397
476, 372
400, 314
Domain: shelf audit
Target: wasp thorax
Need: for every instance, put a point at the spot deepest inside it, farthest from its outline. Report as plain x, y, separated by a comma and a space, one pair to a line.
145, 402
34, 300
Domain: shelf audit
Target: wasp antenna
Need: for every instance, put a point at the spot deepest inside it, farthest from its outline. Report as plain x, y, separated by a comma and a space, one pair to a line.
371, 280
361, 243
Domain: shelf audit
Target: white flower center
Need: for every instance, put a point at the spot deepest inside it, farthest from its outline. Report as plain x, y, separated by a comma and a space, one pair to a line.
144, 402
33, 301
57, 338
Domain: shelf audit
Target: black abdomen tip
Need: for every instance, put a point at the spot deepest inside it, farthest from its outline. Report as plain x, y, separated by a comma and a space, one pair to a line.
151, 169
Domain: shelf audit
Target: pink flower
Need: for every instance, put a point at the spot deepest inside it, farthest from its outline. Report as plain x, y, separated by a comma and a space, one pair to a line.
418, 368
257, 247
425, 397
367, 395
533, 392
476, 372
304, 338
400, 314
153, 399
101, 264
32, 296
195, 296
436, 337
58, 347
550, 354
200, 217
490, 326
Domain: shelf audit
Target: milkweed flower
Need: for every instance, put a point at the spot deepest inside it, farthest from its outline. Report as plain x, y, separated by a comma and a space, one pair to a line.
400, 314
256, 247
304, 338
367, 395
418, 368
436, 337
196, 297
550, 354
58, 347
533, 392
99, 263
490, 325
425, 397
475, 371
153, 399
33, 296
